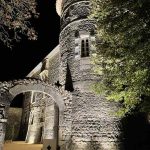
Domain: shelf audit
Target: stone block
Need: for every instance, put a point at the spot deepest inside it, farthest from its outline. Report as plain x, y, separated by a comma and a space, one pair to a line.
49, 144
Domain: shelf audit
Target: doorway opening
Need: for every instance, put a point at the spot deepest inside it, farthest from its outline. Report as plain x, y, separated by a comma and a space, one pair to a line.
13, 125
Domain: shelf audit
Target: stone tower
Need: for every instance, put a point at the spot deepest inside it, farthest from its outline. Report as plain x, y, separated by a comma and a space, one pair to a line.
93, 124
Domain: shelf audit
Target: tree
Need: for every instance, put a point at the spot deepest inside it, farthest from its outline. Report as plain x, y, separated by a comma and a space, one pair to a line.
123, 52
15, 18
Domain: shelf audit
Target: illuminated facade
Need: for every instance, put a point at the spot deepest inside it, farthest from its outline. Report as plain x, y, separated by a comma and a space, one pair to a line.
61, 107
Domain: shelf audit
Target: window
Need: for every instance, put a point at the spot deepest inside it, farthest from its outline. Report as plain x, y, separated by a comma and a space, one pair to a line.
77, 48
1, 114
33, 97
82, 45
84, 48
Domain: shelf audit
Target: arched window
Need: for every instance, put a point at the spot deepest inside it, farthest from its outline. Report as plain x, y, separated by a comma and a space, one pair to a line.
84, 48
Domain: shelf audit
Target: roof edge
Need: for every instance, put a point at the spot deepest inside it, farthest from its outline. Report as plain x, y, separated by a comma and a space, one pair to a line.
39, 66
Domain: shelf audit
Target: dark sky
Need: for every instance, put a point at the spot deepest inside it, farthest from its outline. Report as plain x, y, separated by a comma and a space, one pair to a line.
24, 56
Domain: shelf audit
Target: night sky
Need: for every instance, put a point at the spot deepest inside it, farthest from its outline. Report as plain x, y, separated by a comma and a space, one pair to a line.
25, 55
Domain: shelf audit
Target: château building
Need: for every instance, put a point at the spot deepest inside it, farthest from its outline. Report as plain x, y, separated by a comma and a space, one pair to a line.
60, 108
80, 119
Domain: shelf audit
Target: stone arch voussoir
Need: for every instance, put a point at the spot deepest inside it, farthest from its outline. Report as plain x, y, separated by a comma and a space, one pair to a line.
10, 89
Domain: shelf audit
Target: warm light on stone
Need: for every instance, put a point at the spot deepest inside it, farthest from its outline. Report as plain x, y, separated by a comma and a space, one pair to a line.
59, 6
61, 108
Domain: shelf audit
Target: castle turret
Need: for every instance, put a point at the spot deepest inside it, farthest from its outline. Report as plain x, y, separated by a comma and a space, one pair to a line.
93, 124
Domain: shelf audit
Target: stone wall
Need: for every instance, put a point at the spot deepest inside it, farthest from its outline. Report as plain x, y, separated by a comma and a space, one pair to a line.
13, 124
2, 134
54, 67
94, 125
65, 121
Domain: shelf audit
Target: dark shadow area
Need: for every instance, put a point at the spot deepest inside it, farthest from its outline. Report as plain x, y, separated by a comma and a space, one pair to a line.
68, 84
13, 125
17, 101
136, 132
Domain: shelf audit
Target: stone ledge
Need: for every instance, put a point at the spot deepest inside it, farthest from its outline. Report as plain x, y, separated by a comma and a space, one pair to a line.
3, 120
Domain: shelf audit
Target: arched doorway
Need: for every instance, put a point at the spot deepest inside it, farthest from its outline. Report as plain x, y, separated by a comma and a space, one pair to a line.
35, 86
44, 120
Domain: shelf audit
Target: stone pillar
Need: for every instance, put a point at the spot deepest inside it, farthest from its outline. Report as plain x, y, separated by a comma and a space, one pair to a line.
50, 136
3, 121
25, 114
2, 132
34, 128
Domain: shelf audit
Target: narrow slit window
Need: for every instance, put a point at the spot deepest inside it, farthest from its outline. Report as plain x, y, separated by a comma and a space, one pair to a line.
85, 48
82, 49
33, 97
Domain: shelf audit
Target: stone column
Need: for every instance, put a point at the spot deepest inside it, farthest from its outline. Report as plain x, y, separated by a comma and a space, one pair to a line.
34, 130
3, 121
51, 126
2, 132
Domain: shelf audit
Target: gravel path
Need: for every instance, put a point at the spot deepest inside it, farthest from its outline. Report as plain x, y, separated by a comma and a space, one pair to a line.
21, 146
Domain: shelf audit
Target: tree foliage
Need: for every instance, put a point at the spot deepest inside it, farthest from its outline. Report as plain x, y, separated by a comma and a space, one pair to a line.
14, 20
123, 52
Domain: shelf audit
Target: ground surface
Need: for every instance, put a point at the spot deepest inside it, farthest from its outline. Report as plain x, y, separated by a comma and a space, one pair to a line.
21, 146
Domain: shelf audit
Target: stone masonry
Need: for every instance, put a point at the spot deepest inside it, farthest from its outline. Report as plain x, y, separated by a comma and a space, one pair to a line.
93, 124
59, 104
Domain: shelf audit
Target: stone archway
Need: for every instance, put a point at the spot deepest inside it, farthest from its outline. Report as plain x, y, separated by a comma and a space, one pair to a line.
8, 90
